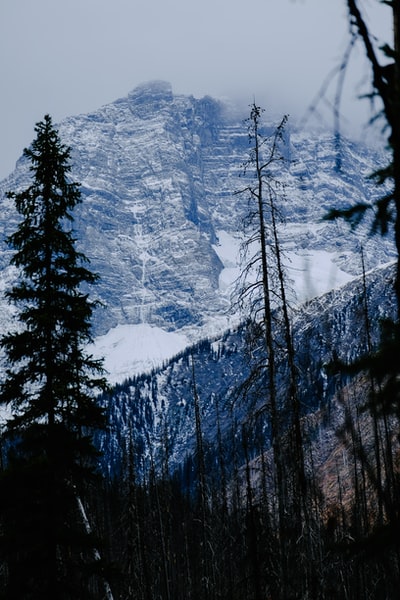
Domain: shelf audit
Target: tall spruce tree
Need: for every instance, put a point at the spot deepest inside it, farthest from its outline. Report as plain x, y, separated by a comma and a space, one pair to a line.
49, 389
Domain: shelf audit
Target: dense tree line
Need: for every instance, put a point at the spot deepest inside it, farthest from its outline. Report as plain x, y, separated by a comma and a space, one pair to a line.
259, 514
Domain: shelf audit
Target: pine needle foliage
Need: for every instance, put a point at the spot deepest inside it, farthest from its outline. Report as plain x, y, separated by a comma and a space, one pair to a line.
49, 389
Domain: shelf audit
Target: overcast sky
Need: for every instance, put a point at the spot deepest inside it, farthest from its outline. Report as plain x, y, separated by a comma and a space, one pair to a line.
65, 57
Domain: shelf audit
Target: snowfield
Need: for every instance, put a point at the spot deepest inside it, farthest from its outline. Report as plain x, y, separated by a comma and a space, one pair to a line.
132, 349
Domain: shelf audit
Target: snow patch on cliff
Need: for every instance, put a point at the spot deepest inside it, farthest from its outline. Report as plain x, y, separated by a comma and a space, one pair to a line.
227, 250
132, 349
314, 273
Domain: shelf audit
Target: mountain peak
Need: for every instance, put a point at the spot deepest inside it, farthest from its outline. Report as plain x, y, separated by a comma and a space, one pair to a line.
153, 92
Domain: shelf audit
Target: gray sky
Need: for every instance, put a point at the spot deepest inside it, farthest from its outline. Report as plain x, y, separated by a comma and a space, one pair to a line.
66, 57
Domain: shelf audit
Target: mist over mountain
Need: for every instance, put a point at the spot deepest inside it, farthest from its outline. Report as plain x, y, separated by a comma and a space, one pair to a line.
162, 225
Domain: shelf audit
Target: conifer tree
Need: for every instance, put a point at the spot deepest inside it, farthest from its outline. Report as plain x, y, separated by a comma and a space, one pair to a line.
49, 388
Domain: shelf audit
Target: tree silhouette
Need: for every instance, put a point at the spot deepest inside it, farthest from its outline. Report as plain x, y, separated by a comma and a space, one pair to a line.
49, 387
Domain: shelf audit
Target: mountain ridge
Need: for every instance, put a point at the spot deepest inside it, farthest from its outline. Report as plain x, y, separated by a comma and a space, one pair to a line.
162, 225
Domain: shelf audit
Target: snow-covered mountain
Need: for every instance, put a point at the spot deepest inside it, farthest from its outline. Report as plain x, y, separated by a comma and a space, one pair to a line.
161, 224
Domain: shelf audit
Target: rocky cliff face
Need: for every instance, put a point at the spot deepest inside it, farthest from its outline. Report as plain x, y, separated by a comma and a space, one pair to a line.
160, 221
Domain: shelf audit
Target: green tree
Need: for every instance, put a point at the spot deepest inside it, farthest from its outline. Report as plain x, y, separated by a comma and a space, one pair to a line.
49, 388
